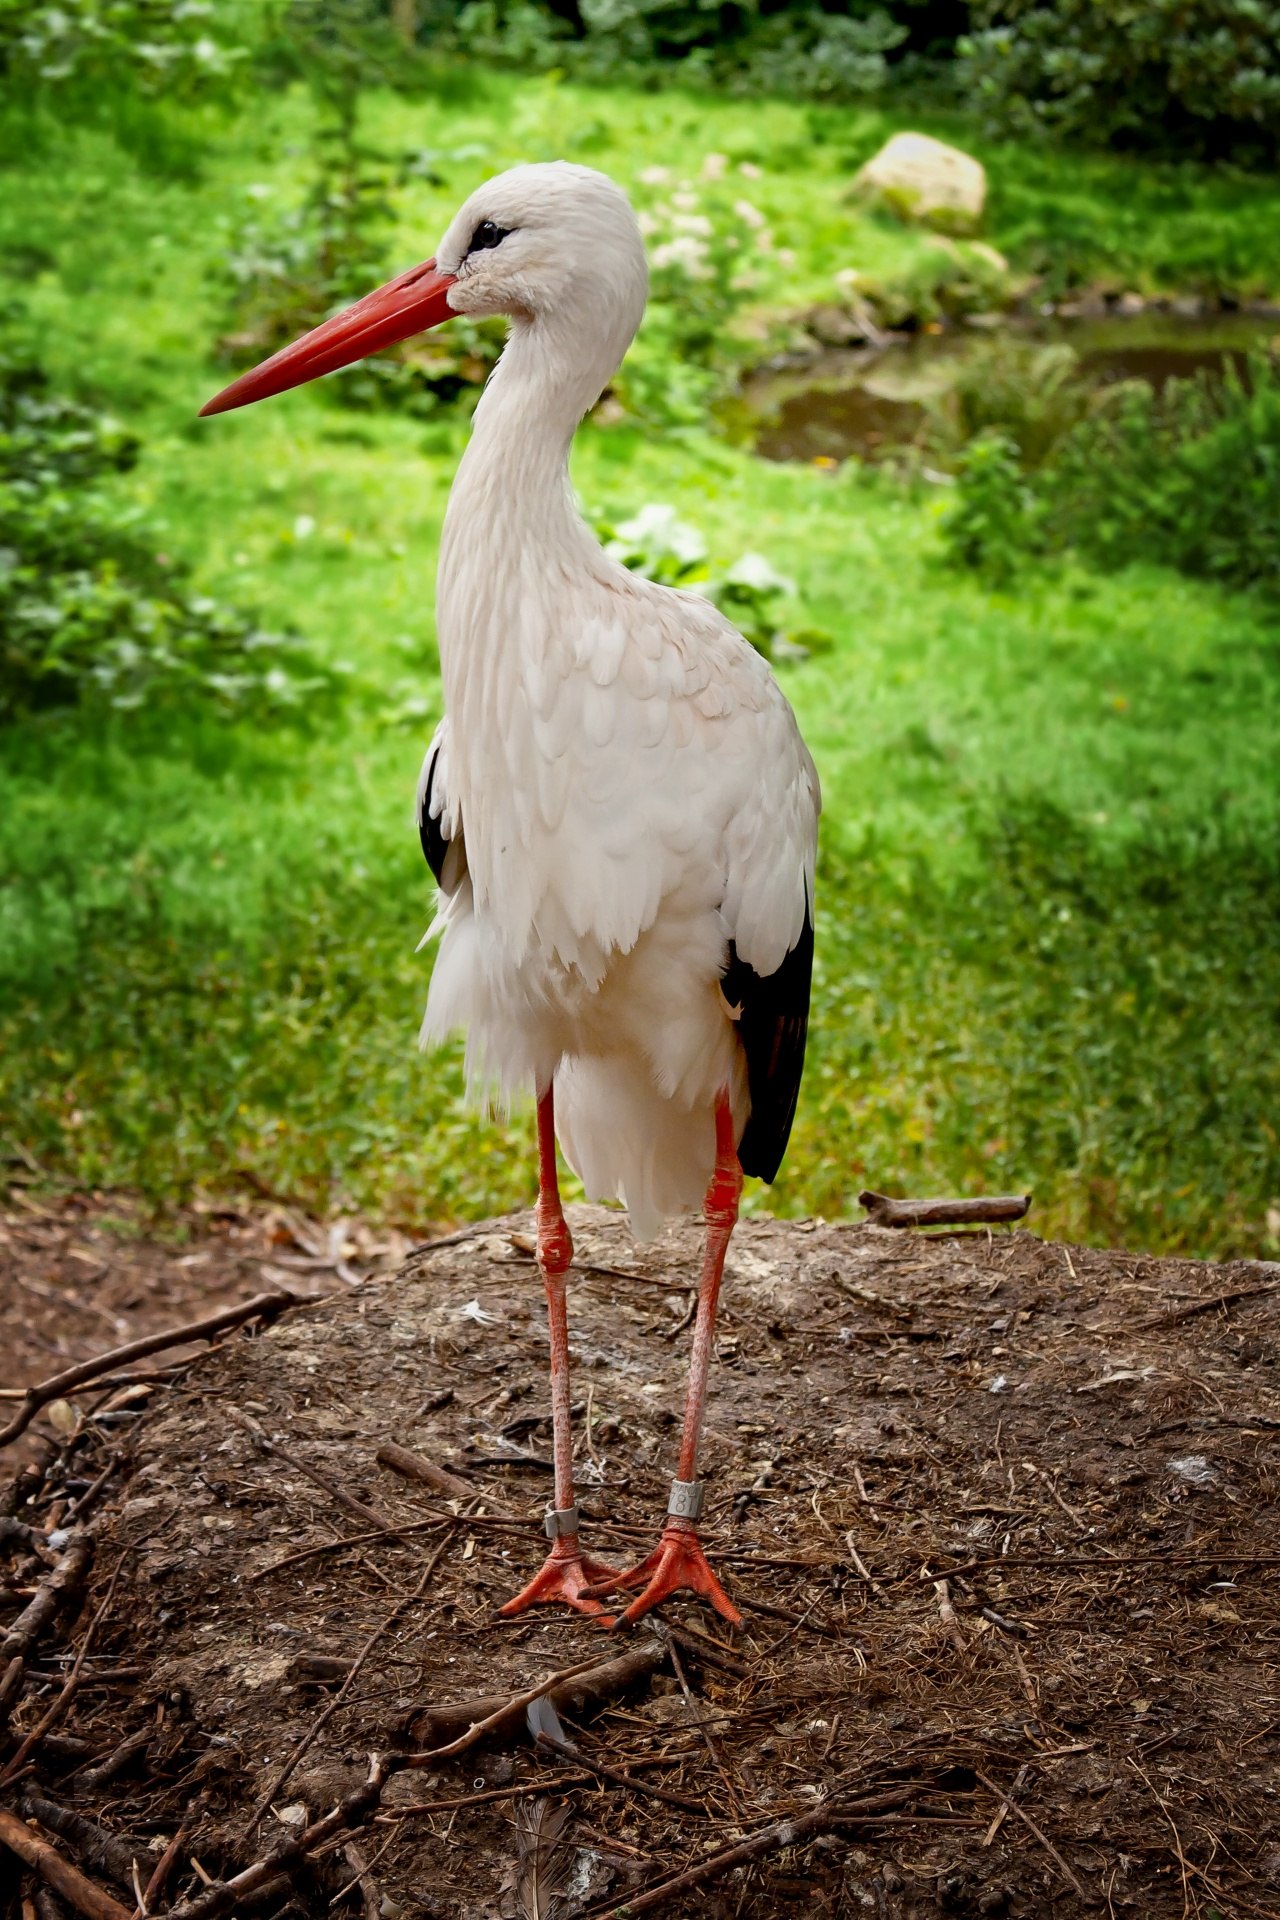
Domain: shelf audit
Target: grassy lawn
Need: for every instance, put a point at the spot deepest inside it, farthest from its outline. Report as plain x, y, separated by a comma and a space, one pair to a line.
1049, 947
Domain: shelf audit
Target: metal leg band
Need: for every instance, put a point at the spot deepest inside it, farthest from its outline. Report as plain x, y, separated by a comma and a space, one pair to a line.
686, 1499
558, 1520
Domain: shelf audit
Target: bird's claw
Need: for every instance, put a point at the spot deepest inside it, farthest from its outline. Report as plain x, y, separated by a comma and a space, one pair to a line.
565, 1575
676, 1563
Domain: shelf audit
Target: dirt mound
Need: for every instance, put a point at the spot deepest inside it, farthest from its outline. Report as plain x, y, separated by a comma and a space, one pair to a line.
999, 1514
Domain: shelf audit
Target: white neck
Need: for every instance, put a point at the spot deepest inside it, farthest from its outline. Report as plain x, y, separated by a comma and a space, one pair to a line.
511, 511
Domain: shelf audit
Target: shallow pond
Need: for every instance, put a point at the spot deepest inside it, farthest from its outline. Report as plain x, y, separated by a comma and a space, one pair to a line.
854, 402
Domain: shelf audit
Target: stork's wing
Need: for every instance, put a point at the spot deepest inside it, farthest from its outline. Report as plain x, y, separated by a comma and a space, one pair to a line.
440, 818
768, 911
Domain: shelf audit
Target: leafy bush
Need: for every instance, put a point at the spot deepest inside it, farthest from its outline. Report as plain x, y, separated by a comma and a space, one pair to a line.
89, 610
751, 592
1029, 391
833, 52
708, 250
1189, 478
990, 527
96, 47
1184, 77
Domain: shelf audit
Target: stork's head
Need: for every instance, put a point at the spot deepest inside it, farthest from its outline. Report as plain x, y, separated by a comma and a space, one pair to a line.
555, 246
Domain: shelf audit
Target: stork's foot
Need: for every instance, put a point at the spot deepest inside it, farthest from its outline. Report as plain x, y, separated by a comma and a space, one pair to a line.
676, 1563
565, 1575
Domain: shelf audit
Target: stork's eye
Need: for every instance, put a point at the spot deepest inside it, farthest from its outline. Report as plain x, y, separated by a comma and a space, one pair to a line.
487, 234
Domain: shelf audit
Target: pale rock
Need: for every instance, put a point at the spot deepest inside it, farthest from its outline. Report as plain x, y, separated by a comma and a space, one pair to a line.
924, 179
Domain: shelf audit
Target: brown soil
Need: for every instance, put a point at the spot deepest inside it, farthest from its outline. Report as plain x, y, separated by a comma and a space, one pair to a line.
1080, 1444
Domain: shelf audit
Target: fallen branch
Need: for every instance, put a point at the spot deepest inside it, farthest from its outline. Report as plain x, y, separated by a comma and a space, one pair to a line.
263, 1306
987, 1209
505, 1712
58, 1873
412, 1466
97, 1850
54, 1590
51, 1717
478, 1728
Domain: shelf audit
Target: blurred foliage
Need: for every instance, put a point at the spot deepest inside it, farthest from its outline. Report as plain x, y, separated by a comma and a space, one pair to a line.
78, 49
1188, 477
90, 611
1186, 77
836, 52
750, 592
1031, 392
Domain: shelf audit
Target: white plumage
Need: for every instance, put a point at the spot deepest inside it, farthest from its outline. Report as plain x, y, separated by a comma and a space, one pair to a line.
626, 778
618, 807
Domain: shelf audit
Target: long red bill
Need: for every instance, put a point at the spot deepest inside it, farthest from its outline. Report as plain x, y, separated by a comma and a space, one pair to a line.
409, 304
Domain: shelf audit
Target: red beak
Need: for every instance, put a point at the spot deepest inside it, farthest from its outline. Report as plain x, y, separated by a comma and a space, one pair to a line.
409, 304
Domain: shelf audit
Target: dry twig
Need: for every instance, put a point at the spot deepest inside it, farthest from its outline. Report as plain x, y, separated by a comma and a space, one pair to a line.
263, 1306
412, 1466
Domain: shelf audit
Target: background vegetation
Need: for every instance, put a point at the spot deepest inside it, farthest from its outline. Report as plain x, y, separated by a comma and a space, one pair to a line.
1044, 699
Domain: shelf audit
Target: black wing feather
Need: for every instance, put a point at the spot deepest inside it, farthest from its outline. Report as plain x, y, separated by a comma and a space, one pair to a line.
434, 843
773, 1026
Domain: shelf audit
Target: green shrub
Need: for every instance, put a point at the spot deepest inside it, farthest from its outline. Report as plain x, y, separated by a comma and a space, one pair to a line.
836, 52
751, 592
1188, 478
82, 49
1185, 77
90, 611
992, 524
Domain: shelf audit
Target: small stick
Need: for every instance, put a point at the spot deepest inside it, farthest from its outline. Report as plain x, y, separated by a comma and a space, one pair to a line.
708, 1650
51, 1718
860, 1564
1223, 1556
356, 1508
1002, 1814
568, 1751
348, 1540
1204, 1306
412, 1466
98, 1776
322, 1720
263, 1305
85, 1897
370, 1898
164, 1865
885, 1212
775, 1612
1031, 1827
717, 1758
225, 1896
782, 1833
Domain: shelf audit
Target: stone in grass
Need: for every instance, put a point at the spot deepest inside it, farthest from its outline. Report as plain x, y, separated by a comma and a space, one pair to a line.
923, 179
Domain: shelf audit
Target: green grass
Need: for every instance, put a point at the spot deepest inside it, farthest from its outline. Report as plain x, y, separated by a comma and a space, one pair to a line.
1049, 949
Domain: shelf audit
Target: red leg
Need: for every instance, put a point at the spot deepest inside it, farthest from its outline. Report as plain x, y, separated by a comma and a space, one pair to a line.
678, 1560
566, 1570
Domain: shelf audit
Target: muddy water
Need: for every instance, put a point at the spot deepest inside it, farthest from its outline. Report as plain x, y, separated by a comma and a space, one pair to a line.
849, 402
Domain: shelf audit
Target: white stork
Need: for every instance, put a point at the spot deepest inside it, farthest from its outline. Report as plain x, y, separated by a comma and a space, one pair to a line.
618, 807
